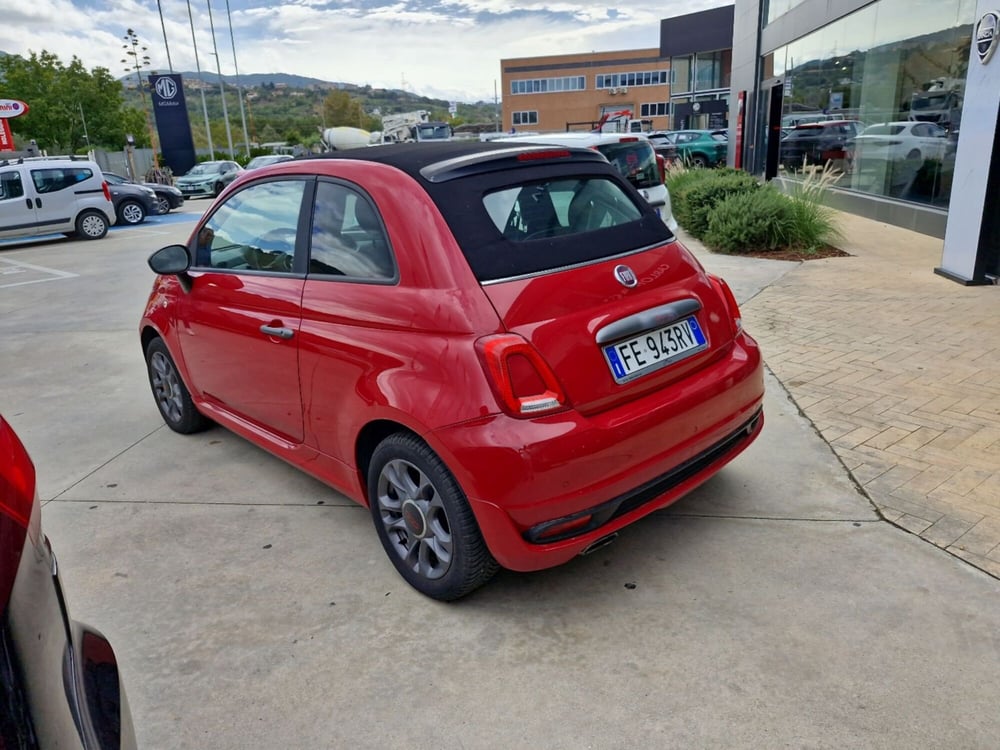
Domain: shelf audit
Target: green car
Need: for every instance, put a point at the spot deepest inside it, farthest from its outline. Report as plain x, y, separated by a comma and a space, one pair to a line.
700, 148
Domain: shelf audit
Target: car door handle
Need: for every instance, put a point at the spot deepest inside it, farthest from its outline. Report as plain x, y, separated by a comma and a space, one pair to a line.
38, 202
280, 332
28, 201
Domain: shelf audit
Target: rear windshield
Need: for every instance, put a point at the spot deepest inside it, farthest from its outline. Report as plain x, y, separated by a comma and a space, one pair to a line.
635, 160
538, 219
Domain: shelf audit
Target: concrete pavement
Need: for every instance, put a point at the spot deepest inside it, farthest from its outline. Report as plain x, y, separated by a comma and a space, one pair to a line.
253, 607
899, 370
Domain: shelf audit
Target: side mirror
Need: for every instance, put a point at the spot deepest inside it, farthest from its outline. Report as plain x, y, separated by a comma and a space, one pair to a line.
171, 260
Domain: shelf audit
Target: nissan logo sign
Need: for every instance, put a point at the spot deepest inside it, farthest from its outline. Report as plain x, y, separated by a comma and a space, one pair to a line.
626, 276
986, 36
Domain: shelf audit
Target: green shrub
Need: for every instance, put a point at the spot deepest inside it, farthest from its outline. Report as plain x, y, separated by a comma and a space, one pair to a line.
767, 220
759, 220
694, 202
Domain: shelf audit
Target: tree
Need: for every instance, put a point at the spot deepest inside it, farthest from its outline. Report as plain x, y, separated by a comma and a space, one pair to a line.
69, 107
341, 109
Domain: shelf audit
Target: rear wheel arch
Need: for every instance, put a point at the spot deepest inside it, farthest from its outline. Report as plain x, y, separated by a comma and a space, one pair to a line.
371, 435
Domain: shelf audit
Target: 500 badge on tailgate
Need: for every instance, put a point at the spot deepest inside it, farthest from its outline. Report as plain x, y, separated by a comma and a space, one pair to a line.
654, 349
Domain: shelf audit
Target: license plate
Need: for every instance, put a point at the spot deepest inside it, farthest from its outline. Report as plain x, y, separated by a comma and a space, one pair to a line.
654, 349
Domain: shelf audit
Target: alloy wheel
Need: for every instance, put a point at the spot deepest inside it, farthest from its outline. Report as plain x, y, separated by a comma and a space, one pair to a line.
166, 387
411, 510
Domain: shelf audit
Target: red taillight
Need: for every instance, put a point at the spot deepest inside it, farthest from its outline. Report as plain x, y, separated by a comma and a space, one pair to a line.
722, 288
19, 514
629, 139
17, 478
523, 381
662, 164
548, 154
107, 191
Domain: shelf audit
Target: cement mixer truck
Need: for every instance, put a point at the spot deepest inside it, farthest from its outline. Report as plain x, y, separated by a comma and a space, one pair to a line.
339, 139
413, 127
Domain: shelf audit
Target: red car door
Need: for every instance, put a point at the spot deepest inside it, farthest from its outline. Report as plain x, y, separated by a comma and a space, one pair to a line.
240, 329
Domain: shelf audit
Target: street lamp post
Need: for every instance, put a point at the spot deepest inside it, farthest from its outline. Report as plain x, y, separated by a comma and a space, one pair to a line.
222, 84
201, 86
136, 59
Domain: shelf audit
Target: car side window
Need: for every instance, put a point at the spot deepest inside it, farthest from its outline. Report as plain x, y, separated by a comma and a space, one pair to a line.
54, 179
10, 185
253, 230
348, 238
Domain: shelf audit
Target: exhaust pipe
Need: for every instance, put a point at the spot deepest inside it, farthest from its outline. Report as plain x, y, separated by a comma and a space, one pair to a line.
601, 543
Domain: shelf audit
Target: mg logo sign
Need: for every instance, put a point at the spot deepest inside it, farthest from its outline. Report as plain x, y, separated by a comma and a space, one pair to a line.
986, 36
166, 88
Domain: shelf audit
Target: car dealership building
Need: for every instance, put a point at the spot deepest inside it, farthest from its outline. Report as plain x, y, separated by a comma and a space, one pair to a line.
886, 64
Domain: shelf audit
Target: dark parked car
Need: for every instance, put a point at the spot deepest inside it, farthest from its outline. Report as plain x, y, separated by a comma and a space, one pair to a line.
817, 143
208, 178
59, 680
498, 348
664, 146
167, 196
133, 203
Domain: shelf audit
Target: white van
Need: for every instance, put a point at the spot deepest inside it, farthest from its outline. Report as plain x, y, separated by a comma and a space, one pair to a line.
631, 153
47, 196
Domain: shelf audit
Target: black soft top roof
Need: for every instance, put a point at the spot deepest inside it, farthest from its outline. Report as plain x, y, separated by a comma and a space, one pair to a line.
437, 162
487, 167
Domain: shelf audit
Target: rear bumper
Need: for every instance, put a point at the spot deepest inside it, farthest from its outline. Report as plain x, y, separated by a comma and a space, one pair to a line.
616, 467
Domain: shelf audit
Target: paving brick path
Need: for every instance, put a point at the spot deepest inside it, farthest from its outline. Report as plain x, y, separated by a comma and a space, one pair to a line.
899, 370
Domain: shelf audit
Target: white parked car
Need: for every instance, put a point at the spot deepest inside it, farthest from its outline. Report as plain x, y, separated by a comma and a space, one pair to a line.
900, 141
630, 153
40, 195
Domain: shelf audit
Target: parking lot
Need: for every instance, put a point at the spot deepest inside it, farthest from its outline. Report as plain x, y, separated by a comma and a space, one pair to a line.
253, 607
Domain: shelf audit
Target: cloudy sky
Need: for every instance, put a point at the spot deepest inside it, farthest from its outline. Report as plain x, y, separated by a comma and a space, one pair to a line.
442, 48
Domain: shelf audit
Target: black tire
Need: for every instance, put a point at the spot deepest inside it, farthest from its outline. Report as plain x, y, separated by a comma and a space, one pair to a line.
914, 155
131, 212
171, 395
91, 225
424, 521
218, 189
163, 203
699, 160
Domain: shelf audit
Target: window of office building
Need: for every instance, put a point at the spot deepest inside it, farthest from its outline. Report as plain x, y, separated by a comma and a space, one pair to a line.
775, 8
529, 117
637, 78
879, 72
548, 85
654, 109
680, 75
710, 71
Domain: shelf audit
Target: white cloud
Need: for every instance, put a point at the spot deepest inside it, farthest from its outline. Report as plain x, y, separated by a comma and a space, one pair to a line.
446, 48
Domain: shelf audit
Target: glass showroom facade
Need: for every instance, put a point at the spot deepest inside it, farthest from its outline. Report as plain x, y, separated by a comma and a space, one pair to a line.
875, 94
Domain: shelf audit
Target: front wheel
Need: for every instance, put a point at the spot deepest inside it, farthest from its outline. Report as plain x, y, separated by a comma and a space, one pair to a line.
218, 189
91, 225
131, 212
699, 161
172, 397
163, 204
424, 521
